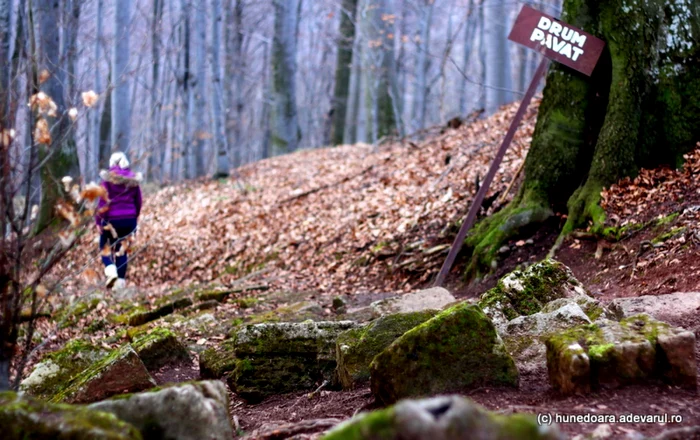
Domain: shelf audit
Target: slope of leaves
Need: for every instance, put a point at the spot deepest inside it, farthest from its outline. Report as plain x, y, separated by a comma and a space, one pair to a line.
341, 220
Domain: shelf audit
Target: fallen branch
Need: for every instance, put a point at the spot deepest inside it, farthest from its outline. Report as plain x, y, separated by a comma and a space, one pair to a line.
292, 429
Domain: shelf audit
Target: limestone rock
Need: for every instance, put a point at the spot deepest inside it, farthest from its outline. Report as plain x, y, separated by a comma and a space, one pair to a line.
672, 305
525, 292
441, 418
278, 358
457, 350
612, 354
159, 347
192, 411
356, 348
28, 418
523, 336
52, 374
435, 298
121, 371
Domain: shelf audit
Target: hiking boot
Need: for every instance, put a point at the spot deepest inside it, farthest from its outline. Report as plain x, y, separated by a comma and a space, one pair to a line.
119, 284
111, 274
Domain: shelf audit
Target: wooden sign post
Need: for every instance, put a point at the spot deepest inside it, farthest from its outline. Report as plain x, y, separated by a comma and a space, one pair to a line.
555, 40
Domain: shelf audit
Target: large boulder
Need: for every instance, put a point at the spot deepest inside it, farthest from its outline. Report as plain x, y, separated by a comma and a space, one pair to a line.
457, 350
28, 418
441, 418
525, 292
159, 347
57, 368
192, 411
216, 362
611, 354
356, 348
122, 371
278, 358
435, 298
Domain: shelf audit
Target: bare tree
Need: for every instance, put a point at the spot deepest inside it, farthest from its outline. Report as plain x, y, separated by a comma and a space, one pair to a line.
421, 90
285, 125
202, 132
343, 69
222, 163
498, 73
121, 104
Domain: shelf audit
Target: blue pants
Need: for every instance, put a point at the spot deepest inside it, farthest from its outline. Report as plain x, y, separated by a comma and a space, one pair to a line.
123, 227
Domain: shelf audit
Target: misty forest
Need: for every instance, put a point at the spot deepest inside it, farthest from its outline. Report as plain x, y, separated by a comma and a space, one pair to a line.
349, 219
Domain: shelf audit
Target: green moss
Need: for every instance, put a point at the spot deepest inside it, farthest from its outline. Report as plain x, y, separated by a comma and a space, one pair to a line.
455, 351
18, 417
159, 347
668, 235
377, 425
526, 292
246, 303
67, 362
356, 348
71, 315
601, 352
216, 362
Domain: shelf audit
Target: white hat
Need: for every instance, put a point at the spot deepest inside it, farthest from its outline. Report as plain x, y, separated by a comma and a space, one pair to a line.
119, 159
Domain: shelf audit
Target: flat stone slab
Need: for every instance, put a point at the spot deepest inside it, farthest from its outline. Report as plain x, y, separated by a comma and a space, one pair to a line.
609, 354
277, 358
191, 411
667, 306
435, 298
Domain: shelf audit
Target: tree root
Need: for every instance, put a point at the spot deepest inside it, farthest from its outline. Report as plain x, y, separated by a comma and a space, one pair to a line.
490, 234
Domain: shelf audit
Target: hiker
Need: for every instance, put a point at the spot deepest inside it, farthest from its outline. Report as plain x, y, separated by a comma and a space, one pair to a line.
117, 217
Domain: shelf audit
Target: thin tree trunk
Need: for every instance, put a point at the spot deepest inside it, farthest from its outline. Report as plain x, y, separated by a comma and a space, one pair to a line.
156, 104
343, 68
498, 73
469, 32
222, 163
285, 124
95, 113
421, 91
202, 132
121, 105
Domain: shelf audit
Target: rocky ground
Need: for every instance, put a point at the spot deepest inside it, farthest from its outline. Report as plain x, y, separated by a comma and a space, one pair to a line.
309, 237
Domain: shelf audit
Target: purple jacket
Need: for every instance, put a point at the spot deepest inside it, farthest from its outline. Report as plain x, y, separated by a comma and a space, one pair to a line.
124, 195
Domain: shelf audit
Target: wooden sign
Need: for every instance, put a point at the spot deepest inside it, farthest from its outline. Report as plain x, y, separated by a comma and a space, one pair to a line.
557, 40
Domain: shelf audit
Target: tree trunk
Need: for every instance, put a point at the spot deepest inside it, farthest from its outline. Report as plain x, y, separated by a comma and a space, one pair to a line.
97, 140
469, 32
343, 69
222, 163
285, 125
202, 132
61, 156
498, 73
156, 104
235, 71
640, 108
121, 105
425, 20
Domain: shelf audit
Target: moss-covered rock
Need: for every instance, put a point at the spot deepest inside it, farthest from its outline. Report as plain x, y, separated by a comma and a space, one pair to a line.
525, 292
159, 347
356, 348
56, 369
70, 315
295, 312
445, 418
118, 372
457, 350
217, 361
24, 418
190, 411
612, 354
277, 358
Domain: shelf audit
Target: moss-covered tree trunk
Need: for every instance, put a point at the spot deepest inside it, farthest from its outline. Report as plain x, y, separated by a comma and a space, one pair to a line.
640, 108
343, 69
61, 155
